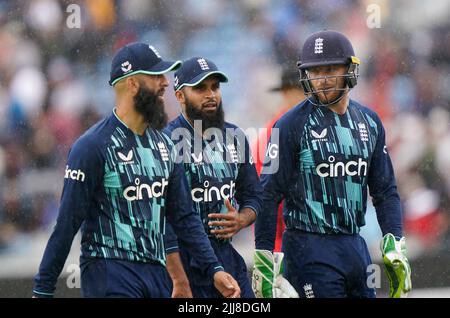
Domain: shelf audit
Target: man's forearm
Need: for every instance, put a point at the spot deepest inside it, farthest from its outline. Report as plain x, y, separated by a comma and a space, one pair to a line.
181, 288
175, 268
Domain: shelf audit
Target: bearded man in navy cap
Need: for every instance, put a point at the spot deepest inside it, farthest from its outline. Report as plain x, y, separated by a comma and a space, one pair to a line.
122, 186
217, 161
330, 150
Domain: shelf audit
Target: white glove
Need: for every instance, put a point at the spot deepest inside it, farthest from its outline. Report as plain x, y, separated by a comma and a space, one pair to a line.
396, 265
267, 278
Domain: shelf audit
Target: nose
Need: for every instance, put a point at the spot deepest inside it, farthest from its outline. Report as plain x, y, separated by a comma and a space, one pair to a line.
210, 94
164, 81
323, 78
323, 81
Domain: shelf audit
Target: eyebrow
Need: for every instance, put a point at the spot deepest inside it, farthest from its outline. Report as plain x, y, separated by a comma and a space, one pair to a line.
203, 85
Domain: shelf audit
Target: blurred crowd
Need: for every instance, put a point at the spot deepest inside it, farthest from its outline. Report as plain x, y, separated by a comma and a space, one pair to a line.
53, 85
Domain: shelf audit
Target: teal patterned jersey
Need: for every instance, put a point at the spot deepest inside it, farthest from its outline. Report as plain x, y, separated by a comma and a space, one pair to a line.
327, 163
217, 171
122, 188
128, 222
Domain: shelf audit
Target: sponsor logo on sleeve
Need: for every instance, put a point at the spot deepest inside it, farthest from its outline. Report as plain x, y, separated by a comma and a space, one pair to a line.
76, 175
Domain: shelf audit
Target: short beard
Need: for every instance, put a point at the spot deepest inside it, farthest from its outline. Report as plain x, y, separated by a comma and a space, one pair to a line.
214, 120
151, 107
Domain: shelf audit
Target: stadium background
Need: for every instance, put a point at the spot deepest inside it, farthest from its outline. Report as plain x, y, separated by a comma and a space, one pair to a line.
53, 85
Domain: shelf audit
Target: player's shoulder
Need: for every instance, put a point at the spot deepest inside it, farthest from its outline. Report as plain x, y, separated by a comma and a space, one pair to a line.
93, 138
296, 114
173, 124
172, 129
234, 131
165, 136
365, 110
228, 125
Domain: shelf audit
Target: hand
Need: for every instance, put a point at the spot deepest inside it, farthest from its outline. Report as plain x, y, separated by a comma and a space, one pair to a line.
267, 278
230, 223
181, 290
396, 265
226, 285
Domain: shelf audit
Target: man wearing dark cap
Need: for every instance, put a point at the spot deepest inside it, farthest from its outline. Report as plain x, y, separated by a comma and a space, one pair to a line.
330, 150
121, 186
225, 188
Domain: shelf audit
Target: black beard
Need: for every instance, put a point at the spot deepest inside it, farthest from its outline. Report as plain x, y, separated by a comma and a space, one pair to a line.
147, 103
209, 120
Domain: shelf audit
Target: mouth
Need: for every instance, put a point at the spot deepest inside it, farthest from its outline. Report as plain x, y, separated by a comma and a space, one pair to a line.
160, 95
209, 106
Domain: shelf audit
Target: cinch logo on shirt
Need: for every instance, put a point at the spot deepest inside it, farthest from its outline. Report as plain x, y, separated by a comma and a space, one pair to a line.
155, 190
77, 175
340, 169
208, 194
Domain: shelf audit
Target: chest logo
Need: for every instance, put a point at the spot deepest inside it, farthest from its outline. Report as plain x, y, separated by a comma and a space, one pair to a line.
363, 134
334, 168
126, 158
233, 153
320, 136
209, 193
163, 151
198, 159
143, 191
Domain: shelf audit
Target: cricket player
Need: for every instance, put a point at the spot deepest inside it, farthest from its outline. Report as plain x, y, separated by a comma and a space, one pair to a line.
330, 149
224, 185
122, 186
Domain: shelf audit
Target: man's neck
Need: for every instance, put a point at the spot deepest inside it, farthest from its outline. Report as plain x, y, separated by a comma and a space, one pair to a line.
196, 128
133, 120
191, 122
341, 106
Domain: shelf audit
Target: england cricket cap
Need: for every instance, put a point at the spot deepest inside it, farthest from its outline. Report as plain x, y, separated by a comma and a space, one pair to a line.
139, 58
327, 48
195, 70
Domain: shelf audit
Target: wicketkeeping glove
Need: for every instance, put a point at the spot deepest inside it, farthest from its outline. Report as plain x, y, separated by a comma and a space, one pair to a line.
267, 280
396, 265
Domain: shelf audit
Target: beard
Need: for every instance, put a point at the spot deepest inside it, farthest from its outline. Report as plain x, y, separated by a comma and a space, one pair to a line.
151, 107
214, 119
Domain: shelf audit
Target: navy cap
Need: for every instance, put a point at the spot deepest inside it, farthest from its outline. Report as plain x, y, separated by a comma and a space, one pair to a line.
195, 70
139, 58
327, 48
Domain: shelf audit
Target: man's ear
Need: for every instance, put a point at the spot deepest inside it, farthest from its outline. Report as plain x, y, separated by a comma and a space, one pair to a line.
180, 97
133, 85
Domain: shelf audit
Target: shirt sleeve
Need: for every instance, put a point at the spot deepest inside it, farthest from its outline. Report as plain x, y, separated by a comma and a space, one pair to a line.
187, 225
82, 176
248, 187
276, 180
383, 188
170, 240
